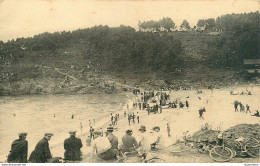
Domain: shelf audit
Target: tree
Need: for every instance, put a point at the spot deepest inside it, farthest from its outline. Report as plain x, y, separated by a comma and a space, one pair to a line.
201, 23
185, 26
167, 23
210, 23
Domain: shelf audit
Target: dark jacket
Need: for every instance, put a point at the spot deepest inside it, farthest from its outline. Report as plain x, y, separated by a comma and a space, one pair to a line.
129, 143
72, 147
19, 152
41, 152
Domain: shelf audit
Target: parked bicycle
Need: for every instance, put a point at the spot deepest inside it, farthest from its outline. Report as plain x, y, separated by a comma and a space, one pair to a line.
218, 152
247, 147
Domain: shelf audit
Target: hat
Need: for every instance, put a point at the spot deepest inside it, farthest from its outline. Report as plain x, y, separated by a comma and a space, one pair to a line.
129, 131
22, 133
142, 127
110, 128
156, 127
50, 134
72, 131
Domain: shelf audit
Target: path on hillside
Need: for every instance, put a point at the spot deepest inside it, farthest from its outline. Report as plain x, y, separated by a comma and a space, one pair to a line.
62, 73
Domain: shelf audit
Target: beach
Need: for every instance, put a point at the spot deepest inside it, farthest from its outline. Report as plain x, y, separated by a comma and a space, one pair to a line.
219, 114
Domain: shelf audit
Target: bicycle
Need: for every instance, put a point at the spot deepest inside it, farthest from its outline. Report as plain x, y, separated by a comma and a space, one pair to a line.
219, 153
250, 147
136, 157
181, 146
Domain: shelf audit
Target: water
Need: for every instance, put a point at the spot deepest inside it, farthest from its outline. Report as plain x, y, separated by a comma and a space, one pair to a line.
35, 115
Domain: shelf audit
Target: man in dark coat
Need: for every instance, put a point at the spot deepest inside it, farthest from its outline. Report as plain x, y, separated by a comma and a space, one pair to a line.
129, 142
42, 153
72, 147
19, 150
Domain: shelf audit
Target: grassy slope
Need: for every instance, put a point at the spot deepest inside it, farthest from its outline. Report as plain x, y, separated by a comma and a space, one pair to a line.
37, 75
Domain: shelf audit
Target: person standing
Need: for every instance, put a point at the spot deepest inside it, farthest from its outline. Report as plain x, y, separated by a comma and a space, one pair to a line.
41, 153
187, 104
88, 141
19, 150
72, 147
133, 117
247, 108
169, 130
129, 142
138, 118
91, 132
129, 119
201, 111
235, 106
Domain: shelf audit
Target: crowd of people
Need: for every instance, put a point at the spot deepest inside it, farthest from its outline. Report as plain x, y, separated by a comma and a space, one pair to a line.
105, 146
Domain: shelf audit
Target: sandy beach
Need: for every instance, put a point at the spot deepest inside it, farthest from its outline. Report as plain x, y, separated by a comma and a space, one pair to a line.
219, 114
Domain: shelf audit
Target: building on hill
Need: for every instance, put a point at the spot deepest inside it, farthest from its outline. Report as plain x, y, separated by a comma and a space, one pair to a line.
252, 65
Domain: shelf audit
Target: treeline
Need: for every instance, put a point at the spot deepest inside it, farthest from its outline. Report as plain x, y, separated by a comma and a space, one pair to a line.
111, 49
240, 40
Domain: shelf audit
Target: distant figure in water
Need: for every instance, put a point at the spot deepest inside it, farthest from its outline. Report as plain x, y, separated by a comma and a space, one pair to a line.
72, 116
54, 115
14, 114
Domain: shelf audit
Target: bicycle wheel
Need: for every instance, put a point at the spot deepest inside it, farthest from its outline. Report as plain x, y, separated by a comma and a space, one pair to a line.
253, 142
221, 154
180, 147
253, 147
253, 151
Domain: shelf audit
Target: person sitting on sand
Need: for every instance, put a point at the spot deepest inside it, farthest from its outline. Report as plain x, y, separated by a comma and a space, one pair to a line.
102, 147
129, 142
156, 137
256, 114
144, 145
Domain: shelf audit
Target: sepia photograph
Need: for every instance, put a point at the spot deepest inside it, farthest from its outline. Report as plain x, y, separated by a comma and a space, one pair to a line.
129, 81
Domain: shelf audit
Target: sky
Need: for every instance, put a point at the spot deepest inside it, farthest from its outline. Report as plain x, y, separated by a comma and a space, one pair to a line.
26, 18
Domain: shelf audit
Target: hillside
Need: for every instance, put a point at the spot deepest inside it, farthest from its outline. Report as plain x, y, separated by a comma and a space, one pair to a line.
70, 63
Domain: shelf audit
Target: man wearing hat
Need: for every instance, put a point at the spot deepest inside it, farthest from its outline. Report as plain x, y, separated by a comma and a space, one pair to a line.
72, 147
103, 147
19, 150
144, 145
156, 136
41, 153
112, 138
129, 142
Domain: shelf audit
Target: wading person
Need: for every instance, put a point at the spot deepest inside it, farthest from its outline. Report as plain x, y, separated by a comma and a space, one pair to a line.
41, 153
129, 142
19, 150
72, 147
